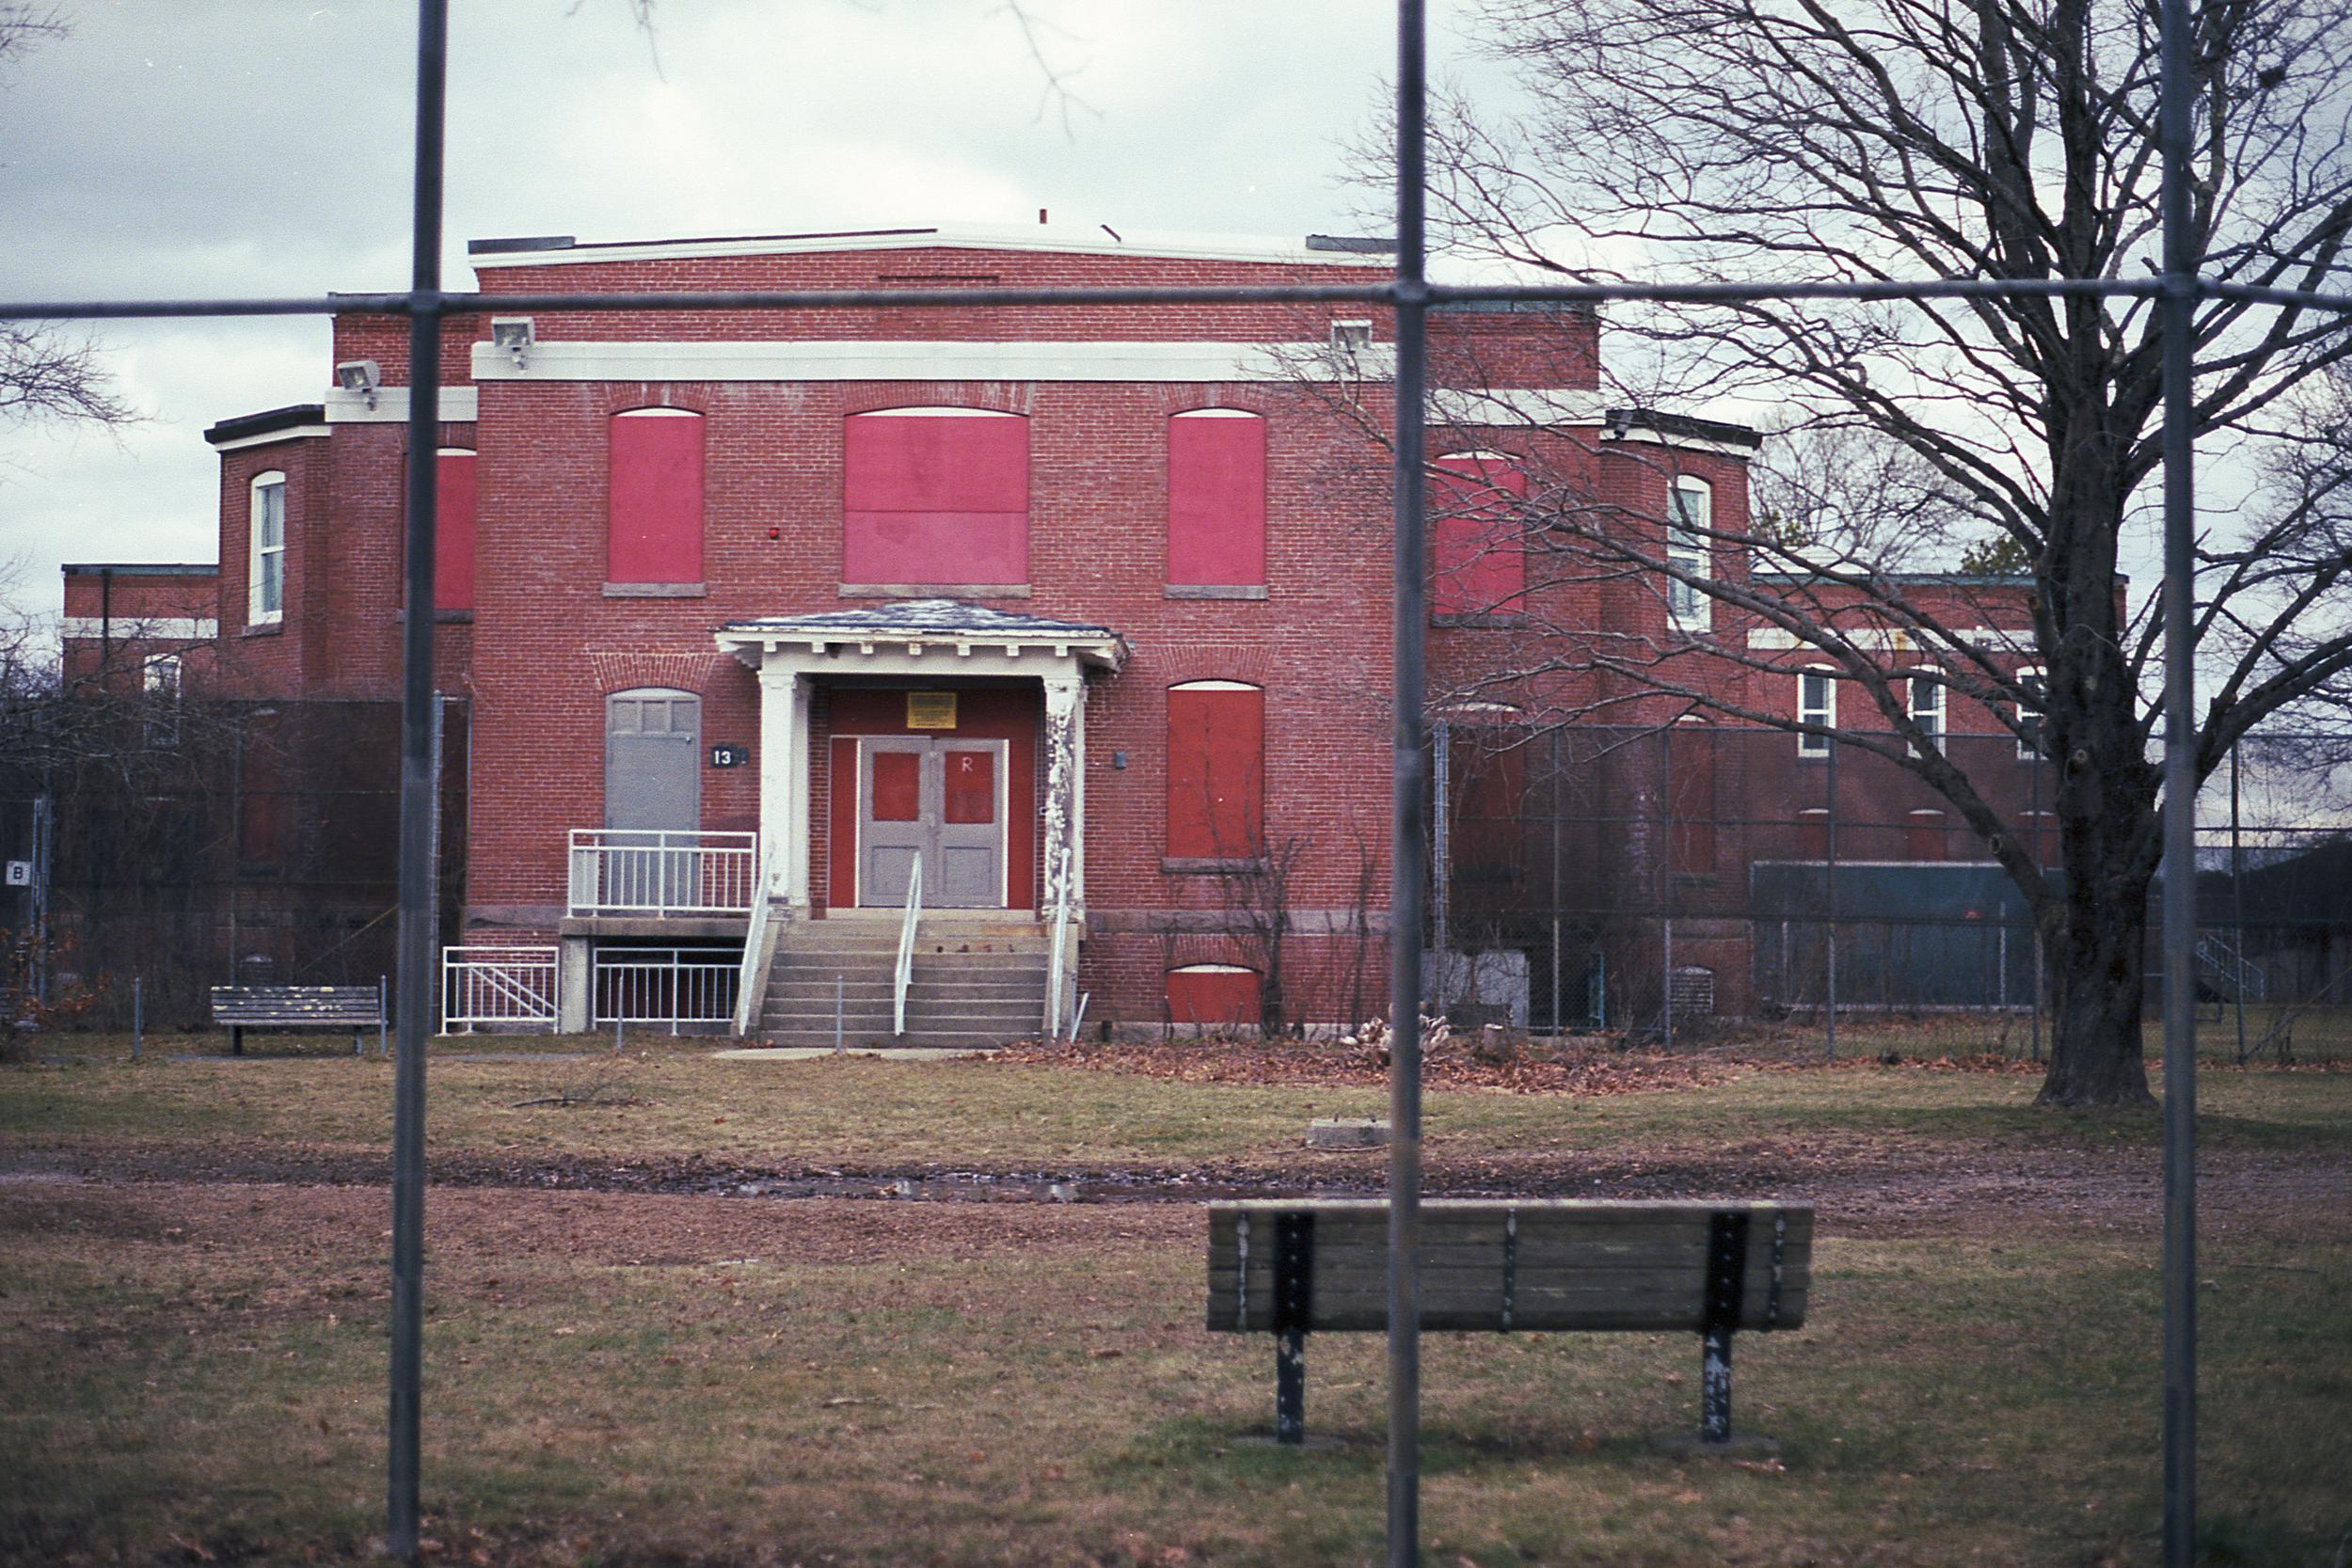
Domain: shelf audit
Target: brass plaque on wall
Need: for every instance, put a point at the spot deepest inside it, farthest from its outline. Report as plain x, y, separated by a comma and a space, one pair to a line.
931, 710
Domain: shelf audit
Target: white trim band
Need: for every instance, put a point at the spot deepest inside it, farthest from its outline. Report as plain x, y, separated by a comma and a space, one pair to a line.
271, 437
1022, 240
178, 628
869, 360
459, 404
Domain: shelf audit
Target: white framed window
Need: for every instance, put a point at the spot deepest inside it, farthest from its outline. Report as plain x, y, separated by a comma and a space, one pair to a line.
2033, 682
159, 682
1926, 701
265, 557
1690, 552
1817, 704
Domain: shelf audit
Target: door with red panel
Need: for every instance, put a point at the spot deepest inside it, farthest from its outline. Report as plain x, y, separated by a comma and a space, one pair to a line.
940, 800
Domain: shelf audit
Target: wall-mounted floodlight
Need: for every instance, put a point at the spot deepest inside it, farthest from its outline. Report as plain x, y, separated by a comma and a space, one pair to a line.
1351, 337
514, 334
362, 376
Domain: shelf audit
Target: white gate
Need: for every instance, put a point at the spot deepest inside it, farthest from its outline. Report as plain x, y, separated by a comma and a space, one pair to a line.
498, 988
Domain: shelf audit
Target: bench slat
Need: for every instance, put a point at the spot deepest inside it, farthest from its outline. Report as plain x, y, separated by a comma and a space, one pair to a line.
1575, 1265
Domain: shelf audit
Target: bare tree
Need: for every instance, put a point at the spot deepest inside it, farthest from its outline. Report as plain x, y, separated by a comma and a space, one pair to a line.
46, 375
1796, 141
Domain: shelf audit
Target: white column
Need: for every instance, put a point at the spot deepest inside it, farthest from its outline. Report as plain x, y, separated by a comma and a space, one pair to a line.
1065, 792
784, 782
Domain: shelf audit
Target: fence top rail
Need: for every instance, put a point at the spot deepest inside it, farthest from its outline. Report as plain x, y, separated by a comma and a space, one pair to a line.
430, 302
692, 837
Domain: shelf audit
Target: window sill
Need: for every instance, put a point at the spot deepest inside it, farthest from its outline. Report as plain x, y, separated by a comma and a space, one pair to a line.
935, 591
655, 590
1482, 620
1210, 865
264, 628
1213, 591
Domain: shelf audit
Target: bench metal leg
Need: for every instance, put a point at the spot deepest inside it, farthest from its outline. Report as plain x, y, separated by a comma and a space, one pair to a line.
1715, 1386
236, 1040
1290, 1387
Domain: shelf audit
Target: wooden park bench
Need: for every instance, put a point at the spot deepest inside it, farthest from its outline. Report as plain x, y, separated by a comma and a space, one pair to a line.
1569, 1266
352, 1008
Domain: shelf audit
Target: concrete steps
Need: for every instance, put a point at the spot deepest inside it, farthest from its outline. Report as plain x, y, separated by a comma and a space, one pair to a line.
974, 980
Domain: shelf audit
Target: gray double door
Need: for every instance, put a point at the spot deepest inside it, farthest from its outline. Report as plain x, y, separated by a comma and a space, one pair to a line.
941, 799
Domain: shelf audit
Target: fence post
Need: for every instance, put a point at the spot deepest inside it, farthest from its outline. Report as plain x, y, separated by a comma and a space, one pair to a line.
1829, 895
1441, 857
138, 1021
1665, 883
2237, 908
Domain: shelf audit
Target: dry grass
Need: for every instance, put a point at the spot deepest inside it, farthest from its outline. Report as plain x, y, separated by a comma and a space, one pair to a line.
194, 1375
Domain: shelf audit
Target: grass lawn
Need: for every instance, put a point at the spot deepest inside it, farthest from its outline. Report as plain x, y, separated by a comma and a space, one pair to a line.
191, 1366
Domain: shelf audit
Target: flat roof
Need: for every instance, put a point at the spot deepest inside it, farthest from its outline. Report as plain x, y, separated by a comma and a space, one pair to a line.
1074, 238
142, 568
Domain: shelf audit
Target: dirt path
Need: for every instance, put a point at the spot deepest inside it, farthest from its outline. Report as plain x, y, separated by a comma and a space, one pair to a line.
1859, 1189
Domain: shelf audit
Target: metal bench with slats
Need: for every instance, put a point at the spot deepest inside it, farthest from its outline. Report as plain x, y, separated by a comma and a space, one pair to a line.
1556, 1266
353, 1007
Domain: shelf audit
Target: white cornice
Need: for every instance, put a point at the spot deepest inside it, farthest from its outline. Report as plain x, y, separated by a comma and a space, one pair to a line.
1066, 240
458, 406
1893, 639
888, 361
270, 437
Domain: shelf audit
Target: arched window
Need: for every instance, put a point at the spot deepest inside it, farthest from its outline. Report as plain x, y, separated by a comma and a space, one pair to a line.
1817, 704
2033, 684
935, 496
1924, 836
1215, 770
1217, 480
1926, 700
653, 497
1690, 552
266, 555
1477, 540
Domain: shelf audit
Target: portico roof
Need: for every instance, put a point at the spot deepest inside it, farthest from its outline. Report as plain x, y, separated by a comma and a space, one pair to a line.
952, 629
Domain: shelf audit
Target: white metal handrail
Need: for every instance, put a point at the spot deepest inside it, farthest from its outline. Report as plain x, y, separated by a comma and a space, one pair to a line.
662, 986
906, 947
514, 987
1057, 966
660, 872
755, 939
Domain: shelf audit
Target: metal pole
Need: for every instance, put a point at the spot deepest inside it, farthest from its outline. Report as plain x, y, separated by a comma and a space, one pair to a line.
2237, 907
138, 1016
1408, 852
1665, 885
1441, 860
418, 792
1557, 1026
1828, 895
2034, 817
2176, 307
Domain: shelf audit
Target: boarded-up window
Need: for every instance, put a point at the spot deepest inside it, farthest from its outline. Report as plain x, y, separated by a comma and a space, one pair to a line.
1213, 996
1215, 770
1477, 542
1489, 796
1691, 800
971, 785
654, 529
1813, 834
1216, 499
1924, 838
935, 496
452, 531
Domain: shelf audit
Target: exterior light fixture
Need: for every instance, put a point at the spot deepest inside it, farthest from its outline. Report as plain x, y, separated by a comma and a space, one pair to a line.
361, 376
514, 334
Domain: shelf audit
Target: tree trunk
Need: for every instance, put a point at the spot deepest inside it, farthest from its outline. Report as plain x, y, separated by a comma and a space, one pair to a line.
2098, 959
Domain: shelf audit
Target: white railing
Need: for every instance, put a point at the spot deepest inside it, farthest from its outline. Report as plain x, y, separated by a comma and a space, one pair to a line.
672, 986
641, 871
1058, 965
755, 937
906, 947
502, 988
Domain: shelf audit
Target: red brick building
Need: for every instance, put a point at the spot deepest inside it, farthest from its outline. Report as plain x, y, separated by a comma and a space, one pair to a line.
1082, 608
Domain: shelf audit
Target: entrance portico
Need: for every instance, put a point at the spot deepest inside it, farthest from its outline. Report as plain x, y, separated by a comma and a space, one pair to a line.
951, 795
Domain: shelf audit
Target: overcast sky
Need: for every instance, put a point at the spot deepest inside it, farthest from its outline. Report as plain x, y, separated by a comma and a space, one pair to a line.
188, 148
